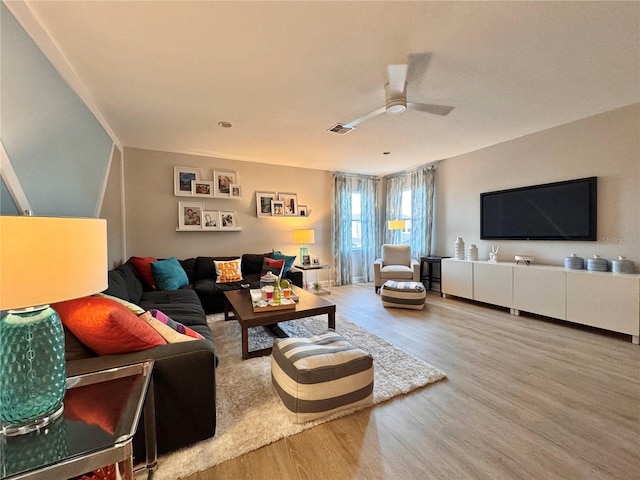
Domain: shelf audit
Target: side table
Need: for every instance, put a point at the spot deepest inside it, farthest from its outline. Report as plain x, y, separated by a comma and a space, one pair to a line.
315, 286
428, 278
101, 413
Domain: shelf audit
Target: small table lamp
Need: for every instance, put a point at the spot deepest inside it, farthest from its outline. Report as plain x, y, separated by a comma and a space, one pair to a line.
303, 237
42, 260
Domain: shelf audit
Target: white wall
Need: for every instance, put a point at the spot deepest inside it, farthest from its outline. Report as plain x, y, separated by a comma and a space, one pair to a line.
152, 209
605, 145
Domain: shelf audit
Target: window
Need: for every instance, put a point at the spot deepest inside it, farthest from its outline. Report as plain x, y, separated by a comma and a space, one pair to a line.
356, 223
405, 214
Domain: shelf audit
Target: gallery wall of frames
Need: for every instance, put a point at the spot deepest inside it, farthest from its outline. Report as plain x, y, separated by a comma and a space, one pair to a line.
200, 184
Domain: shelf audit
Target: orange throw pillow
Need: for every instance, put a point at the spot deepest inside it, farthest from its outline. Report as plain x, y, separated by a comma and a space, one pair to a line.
107, 327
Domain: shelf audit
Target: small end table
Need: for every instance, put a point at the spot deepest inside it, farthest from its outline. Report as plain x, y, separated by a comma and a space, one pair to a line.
429, 279
316, 287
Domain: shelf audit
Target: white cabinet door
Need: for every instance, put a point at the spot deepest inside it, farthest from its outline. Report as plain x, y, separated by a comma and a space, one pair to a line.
457, 277
540, 290
493, 283
604, 300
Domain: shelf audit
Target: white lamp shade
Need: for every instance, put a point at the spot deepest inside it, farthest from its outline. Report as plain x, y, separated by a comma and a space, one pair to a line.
304, 236
45, 260
396, 224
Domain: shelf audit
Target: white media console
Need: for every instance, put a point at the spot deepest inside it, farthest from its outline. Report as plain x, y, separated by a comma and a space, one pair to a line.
600, 299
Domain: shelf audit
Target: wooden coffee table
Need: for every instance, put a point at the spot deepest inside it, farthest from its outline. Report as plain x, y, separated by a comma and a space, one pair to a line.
239, 302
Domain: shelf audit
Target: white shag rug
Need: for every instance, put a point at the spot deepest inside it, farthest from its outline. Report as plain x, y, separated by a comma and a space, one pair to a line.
249, 413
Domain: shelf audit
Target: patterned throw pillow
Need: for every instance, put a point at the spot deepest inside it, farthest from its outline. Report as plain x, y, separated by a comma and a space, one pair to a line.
273, 266
228, 271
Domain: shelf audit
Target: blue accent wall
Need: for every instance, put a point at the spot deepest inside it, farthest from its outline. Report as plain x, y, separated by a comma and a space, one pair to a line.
59, 151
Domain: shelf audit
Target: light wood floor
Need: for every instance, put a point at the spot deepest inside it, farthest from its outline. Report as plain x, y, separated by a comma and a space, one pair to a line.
525, 398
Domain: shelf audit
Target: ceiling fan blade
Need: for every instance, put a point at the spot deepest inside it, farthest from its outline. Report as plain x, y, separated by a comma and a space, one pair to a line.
429, 108
364, 117
397, 77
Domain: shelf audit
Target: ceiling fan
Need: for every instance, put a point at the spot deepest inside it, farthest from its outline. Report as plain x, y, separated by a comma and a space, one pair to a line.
395, 90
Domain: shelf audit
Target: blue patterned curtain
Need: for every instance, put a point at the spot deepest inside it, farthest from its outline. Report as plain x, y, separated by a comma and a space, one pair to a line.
341, 226
422, 194
393, 204
368, 188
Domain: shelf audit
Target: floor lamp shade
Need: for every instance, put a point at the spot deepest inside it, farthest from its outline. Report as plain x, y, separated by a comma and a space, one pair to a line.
303, 237
43, 260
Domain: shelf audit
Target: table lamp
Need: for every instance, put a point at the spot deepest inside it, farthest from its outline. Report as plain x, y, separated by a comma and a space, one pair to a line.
303, 237
43, 260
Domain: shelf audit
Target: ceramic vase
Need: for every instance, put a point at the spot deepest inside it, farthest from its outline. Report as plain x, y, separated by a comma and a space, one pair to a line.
459, 249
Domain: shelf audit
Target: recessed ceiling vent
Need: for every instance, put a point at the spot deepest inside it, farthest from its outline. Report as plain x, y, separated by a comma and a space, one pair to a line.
341, 129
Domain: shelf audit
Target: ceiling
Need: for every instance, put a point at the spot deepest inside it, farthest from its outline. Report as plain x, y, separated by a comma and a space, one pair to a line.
163, 74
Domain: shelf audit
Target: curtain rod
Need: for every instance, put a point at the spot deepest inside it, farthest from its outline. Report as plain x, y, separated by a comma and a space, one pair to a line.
428, 166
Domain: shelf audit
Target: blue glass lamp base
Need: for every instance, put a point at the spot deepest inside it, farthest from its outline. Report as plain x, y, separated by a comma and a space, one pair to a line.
304, 250
32, 369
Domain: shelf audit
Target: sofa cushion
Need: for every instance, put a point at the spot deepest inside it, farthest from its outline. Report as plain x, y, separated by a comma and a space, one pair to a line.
124, 283
169, 274
252, 263
106, 327
228, 271
273, 266
143, 265
288, 260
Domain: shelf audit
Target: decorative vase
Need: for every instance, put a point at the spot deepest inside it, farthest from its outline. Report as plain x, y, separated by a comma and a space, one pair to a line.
459, 249
472, 253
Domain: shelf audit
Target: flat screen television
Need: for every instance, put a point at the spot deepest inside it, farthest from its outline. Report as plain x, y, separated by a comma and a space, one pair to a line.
564, 210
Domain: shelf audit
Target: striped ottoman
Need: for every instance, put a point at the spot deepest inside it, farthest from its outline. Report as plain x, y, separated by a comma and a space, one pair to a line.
320, 375
403, 294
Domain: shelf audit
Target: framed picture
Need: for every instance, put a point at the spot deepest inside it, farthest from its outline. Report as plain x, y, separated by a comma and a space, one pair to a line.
190, 215
235, 190
201, 188
302, 211
263, 203
315, 261
228, 220
182, 178
223, 180
210, 220
290, 203
277, 208
306, 260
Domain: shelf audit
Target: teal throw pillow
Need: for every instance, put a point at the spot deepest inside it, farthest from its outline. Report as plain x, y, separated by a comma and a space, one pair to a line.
288, 260
169, 274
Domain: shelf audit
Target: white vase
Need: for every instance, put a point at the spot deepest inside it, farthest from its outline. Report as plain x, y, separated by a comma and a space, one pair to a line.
472, 253
459, 249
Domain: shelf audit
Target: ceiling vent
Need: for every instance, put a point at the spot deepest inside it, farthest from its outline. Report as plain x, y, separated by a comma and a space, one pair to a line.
341, 129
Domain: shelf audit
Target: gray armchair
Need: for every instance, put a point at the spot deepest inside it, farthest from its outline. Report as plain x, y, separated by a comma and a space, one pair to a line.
395, 264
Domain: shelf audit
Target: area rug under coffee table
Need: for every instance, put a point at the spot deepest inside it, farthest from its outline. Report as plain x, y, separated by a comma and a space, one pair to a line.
250, 415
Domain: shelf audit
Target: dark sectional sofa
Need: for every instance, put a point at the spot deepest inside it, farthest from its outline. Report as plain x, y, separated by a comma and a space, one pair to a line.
184, 373
201, 272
